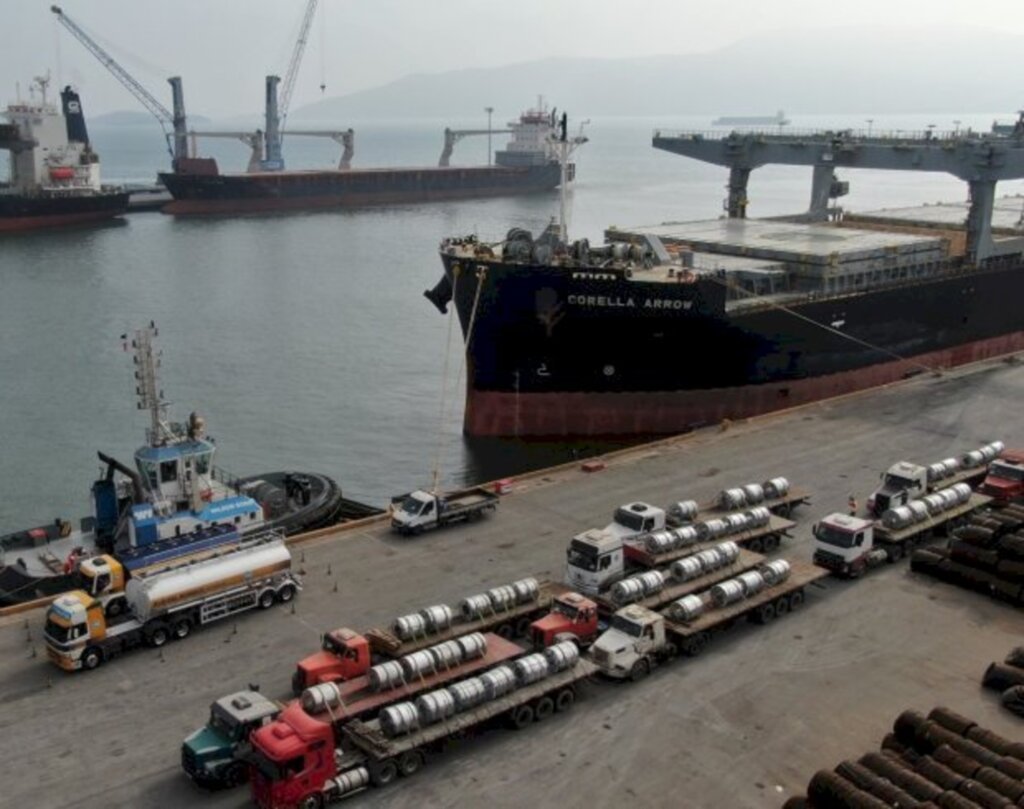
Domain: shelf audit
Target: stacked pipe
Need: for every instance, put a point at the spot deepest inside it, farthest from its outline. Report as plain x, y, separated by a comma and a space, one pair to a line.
442, 703
1008, 679
942, 760
985, 555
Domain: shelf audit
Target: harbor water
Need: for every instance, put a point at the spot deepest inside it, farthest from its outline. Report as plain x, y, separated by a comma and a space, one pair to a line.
304, 339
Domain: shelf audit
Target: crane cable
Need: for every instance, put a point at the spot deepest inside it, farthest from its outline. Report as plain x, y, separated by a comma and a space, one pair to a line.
827, 327
436, 471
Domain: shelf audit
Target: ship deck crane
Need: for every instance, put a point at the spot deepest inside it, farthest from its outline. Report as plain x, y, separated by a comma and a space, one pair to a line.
979, 159
453, 136
178, 147
277, 112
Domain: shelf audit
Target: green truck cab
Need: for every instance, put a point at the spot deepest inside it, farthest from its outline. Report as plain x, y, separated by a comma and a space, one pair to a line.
213, 756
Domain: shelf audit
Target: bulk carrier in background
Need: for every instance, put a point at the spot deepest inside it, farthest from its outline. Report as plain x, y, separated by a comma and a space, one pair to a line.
54, 173
684, 324
527, 164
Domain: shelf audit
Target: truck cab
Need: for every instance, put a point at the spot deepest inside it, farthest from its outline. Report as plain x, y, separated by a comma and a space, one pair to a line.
842, 543
74, 621
1005, 479
571, 614
417, 510
629, 646
344, 655
103, 578
292, 759
213, 756
902, 483
596, 558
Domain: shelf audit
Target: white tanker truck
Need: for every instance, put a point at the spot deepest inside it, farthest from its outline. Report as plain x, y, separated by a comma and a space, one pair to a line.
169, 603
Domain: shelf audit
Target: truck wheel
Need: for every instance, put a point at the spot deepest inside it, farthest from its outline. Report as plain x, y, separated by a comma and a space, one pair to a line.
158, 636
505, 631
383, 773
314, 800
796, 600
544, 708
410, 763
641, 668
670, 651
522, 627
236, 774
565, 700
894, 553
182, 628
522, 716
765, 614
781, 606
266, 600
770, 543
695, 645
91, 658
115, 608
756, 545
286, 593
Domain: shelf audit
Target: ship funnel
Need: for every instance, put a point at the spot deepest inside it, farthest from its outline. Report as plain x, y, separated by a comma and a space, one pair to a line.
73, 117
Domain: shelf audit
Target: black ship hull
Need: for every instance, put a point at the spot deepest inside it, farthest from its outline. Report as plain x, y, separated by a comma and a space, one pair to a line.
566, 353
213, 193
19, 213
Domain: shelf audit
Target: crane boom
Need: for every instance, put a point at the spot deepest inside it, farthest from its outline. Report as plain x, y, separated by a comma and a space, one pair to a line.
277, 113
296, 60
158, 110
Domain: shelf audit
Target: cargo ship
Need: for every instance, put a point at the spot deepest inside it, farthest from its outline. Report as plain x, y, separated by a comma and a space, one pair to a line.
675, 326
527, 164
175, 504
54, 173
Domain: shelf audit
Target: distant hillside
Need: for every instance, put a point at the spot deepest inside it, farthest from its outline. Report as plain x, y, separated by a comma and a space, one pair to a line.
891, 70
135, 118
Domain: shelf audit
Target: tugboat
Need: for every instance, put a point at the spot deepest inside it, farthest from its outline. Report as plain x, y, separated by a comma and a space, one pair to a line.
54, 173
175, 503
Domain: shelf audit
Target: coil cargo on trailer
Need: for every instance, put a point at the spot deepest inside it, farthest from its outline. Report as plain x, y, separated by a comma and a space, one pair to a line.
170, 603
776, 494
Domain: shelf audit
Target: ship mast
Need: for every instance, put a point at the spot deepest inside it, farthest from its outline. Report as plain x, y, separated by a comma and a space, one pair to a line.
564, 146
150, 397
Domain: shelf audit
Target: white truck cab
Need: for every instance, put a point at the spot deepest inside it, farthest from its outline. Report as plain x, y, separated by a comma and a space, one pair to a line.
596, 559
902, 483
844, 544
629, 646
417, 511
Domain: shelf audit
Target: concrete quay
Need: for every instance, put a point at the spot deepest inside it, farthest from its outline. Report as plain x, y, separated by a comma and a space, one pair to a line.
744, 725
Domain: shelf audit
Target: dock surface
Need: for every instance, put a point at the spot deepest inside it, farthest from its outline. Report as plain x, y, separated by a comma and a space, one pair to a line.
744, 725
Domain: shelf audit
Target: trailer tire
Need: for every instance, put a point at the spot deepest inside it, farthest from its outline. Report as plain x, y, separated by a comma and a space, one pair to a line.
894, 553
265, 600
505, 631
565, 699
286, 593
544, 708
314, 800
770, 543
756, 545
383, 772
522, 627
92, 658
641, 668
695, 645
781, 606
410, 763
764, 614
158, 636
521, 716
796, 600
182, 628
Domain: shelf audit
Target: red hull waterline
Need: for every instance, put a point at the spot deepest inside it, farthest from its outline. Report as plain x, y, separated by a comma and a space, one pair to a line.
21, 223
192, 207
666, 413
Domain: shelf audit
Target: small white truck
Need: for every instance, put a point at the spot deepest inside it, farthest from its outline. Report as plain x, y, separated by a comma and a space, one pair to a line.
81, 634
420, 511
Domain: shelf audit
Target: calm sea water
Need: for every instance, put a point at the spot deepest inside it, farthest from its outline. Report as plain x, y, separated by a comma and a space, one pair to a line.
304, 339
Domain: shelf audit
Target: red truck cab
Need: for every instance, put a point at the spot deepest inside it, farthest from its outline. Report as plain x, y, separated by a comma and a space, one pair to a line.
571, 614
344, 655
1004, 482
291, 760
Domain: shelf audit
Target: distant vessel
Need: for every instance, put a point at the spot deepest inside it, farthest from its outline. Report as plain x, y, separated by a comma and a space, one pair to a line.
778, 119
54, 173
175, 503
527, 164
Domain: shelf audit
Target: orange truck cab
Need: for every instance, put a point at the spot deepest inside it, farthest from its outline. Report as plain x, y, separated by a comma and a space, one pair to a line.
1005, 479
571, 614
344, 655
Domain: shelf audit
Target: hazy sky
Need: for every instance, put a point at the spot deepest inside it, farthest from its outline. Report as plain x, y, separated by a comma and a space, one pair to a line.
224, 48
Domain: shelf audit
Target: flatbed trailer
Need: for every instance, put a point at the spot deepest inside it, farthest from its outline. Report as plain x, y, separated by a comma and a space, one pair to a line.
913, 533
364, 744
772, 602
747, 560
765, 538
512, 622
783, 506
